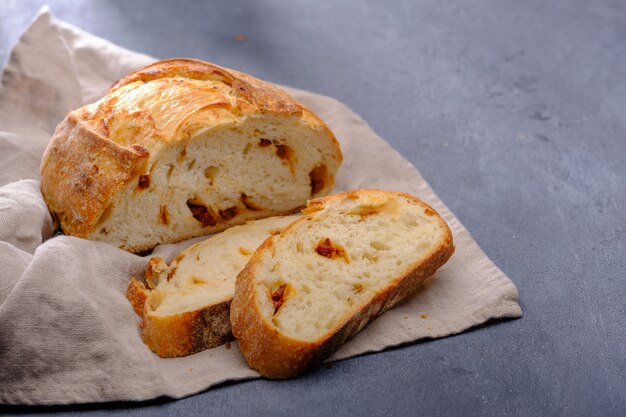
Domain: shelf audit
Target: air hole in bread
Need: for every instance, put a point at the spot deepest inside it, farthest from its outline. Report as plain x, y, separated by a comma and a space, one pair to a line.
370, 257
197, 281
423, 246
317, 177
249, 204
363, 211
170, 171
210, 173
144, 182
229, 213
201, 212
244, 251
378, 245
264, 143
429, 212
191, 164
164, 217
246, 150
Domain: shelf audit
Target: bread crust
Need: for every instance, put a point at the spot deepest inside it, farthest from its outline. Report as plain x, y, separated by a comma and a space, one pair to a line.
278, 356
100, 148
81, 171
180, 334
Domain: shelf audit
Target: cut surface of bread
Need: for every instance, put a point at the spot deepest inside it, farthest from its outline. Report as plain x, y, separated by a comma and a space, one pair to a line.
185, 306
353, 256
183, 148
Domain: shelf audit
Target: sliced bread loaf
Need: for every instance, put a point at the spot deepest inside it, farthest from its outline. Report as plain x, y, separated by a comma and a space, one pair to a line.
184, 148
185, 306
314, 286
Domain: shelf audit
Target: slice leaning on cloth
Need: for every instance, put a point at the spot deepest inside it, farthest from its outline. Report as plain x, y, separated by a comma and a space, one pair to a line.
185, 306
314, 286
184, 148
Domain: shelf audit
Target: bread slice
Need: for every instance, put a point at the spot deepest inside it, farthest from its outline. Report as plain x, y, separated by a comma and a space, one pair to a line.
185, 306
314, 286
184, 148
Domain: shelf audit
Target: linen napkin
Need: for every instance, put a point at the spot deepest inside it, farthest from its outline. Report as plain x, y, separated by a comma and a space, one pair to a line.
67, 332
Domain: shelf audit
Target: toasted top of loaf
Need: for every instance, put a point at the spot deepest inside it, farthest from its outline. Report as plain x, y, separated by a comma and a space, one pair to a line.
99, 149
184, 306
353, 256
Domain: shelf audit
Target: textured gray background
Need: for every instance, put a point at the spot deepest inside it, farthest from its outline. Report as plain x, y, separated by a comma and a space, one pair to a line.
515, 112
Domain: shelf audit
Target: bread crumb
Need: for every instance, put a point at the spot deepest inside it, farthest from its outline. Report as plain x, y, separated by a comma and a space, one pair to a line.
240, 38
227, 344
424, 316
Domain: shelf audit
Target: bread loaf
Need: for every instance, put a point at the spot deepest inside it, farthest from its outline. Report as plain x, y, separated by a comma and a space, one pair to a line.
184, 307
308, 290
184, 148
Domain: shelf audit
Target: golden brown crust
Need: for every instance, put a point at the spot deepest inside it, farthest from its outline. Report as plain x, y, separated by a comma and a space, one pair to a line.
137, 294
276, 355
101, 147
180, 334
81, 171
259, 93
187, 333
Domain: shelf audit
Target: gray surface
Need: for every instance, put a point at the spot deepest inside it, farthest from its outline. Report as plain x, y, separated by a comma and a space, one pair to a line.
515, 112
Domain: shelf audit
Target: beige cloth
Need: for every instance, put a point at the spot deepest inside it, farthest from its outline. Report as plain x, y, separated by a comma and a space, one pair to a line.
67, 332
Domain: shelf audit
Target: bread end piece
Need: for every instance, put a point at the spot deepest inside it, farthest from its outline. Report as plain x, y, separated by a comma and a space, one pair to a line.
181, 334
